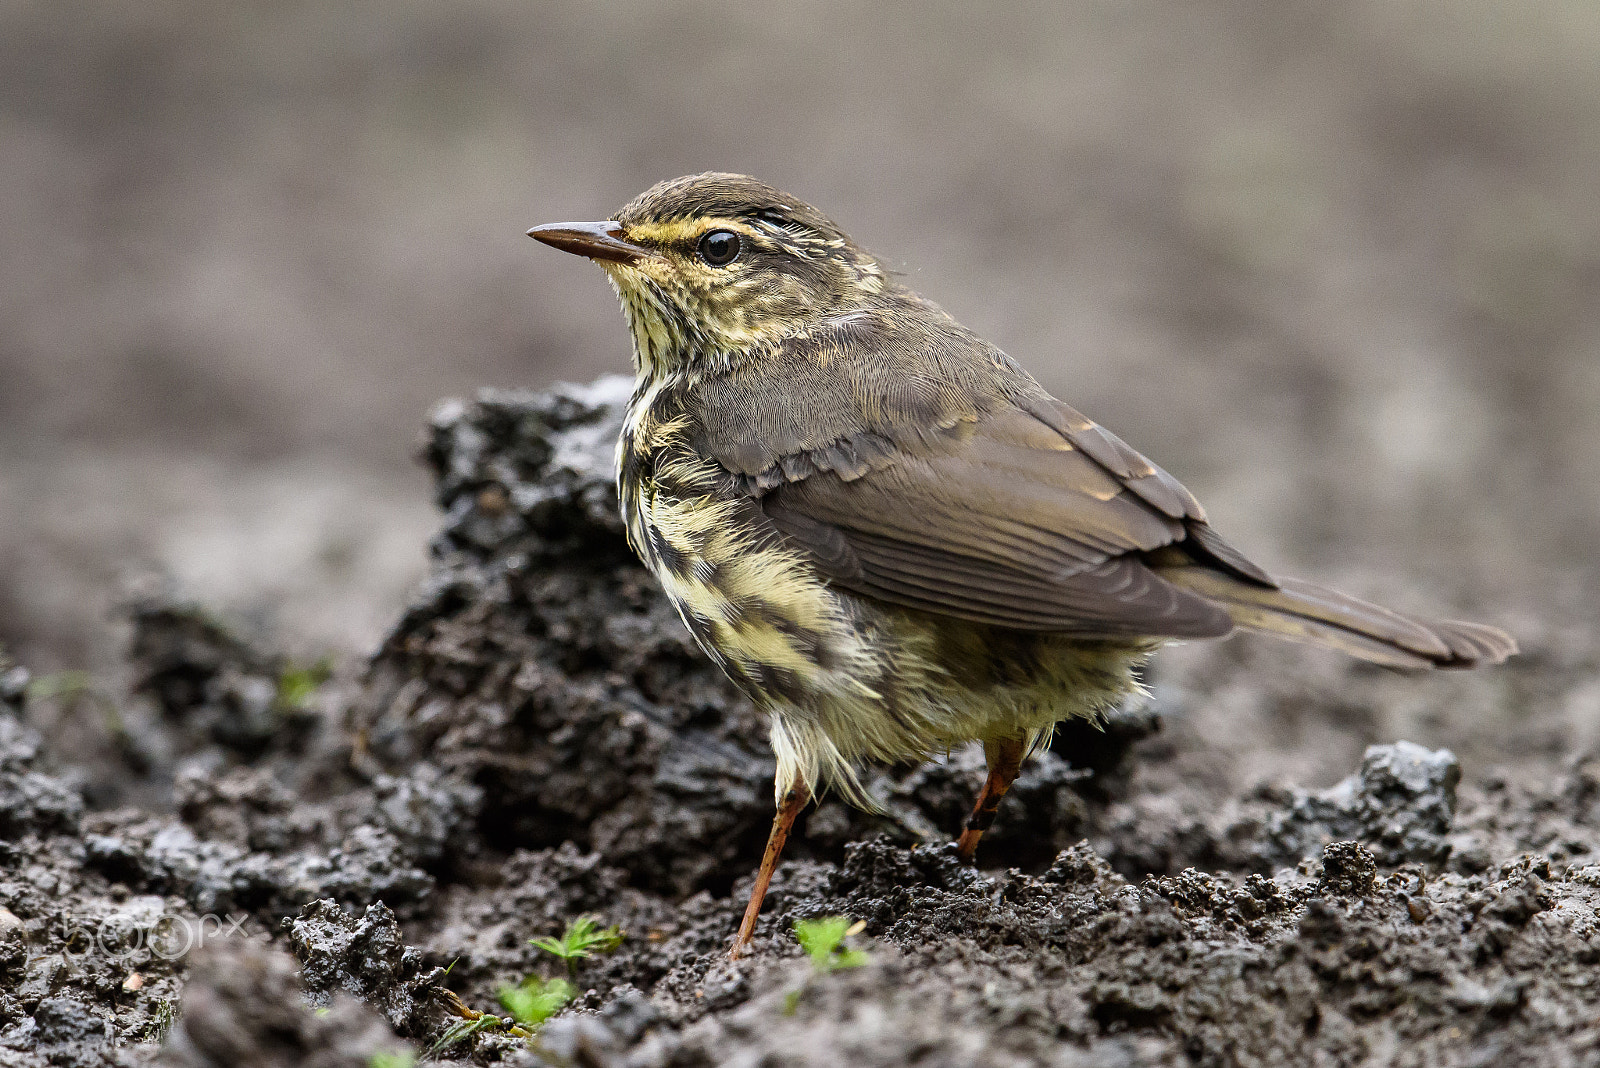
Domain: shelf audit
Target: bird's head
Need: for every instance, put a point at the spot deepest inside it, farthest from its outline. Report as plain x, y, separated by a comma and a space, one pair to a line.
713, 268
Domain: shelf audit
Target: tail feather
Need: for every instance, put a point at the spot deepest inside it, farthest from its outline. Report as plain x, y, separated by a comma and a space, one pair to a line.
1306, 612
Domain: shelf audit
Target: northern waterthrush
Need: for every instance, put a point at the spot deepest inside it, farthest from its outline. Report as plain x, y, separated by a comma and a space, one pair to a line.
883, 529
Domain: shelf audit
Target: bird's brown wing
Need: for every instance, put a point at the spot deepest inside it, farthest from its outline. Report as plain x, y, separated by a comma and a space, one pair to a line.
1034, 520
919, 465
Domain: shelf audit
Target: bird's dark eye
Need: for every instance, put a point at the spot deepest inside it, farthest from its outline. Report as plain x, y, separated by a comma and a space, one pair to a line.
719, 247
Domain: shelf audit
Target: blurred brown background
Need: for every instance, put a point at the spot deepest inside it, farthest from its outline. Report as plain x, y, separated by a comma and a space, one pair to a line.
1336, 264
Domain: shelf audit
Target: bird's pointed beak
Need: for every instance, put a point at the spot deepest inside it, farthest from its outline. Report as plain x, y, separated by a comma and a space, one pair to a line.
596, 240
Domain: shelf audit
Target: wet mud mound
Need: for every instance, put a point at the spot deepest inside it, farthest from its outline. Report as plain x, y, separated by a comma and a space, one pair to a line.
254, 866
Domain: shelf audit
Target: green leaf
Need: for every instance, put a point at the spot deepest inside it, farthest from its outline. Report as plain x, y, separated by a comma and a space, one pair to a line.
298, 682
386, 1059
462, 1030
849, 958
583, 937
58, 684
534, 1000
823, 941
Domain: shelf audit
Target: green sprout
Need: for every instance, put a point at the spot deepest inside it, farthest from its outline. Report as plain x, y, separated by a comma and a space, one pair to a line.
298, 682
385, 1059
462, 1030
823, 941
535, 1000
583, 937
59, 684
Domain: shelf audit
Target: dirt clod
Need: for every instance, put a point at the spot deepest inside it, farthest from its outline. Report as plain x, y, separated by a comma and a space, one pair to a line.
244, 1007
1348, 869
367, 958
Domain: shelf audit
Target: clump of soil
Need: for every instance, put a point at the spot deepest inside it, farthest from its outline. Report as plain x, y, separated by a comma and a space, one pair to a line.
321, 876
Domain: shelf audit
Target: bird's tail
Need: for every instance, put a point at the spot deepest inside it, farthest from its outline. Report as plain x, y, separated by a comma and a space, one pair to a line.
1306, 612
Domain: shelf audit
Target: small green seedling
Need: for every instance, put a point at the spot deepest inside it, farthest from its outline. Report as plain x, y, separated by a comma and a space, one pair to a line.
462, 1030
59, 684
401, 1059
535, 1000
583, 937
823, 941
298, 682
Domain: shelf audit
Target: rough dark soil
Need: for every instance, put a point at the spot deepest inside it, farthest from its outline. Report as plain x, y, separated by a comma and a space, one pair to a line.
537, 740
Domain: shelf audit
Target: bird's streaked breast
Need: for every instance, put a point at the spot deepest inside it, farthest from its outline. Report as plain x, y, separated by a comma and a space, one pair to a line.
754, 603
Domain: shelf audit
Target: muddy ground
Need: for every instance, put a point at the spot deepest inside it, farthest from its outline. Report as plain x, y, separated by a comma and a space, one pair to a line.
233, 862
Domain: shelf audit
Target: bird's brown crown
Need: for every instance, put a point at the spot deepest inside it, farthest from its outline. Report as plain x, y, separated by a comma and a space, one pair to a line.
734, 266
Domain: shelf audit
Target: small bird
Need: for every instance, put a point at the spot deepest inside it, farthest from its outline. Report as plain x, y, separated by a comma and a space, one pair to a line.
883, 529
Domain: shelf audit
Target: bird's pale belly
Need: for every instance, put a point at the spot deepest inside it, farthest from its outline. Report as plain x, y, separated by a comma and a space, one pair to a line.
845, 678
